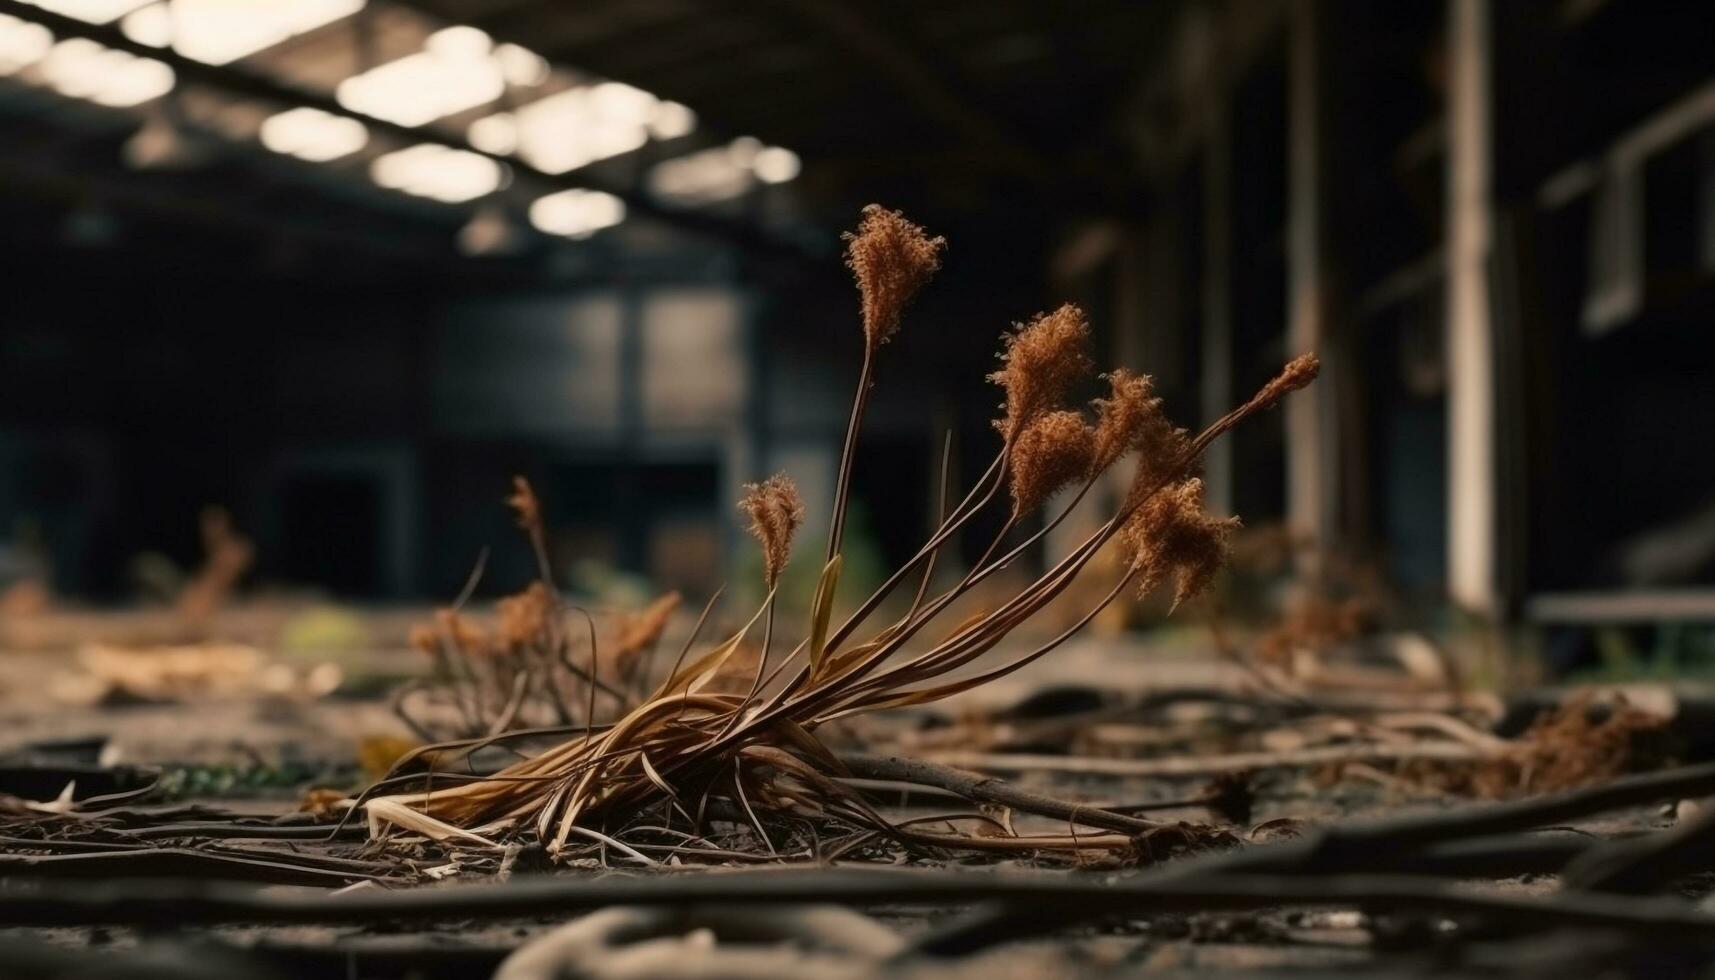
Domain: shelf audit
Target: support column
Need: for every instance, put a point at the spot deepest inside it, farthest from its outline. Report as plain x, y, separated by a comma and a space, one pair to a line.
748, 454
1217, 334
1471, 557
1311, 483
628, 510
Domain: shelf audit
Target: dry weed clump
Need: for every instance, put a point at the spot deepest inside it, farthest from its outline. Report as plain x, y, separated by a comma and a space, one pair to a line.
697, 741
1314, 623
1581, 742
530, 666
227, 555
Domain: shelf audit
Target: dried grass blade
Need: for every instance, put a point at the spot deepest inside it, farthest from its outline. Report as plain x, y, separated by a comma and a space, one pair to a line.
394, 811
699, 672
822, 613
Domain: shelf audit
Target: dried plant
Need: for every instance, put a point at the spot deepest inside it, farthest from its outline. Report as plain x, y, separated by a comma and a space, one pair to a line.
1312, 624
523, 669
892, 259
1582, 741
227, 555
638, 634
756, 745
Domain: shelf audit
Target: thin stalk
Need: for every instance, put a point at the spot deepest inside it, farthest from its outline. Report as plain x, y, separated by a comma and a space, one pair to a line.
837, 526
761, 665
940, 521
961, 516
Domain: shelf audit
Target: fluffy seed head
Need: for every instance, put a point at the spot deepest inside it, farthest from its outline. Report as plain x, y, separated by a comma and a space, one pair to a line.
1298, 373
1163, 455
891, 259
1130, 418
1051, 451
1039, 361
1170, 536
775, 511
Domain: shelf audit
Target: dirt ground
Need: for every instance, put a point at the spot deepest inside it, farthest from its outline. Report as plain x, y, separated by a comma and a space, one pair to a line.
257, 752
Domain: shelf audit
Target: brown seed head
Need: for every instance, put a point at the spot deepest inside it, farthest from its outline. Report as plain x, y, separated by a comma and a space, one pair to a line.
1298, 373
1171, 537
891, 259
1040, 360
1052, 450
1164, 456
1132, 418
775, 511
525, 504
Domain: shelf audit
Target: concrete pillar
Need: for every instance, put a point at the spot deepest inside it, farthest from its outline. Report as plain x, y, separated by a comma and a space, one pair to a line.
1311, 481
632, 522
1471, 527
1216, 385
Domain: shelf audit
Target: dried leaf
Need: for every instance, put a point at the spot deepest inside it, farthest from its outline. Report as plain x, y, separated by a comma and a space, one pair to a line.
822, 612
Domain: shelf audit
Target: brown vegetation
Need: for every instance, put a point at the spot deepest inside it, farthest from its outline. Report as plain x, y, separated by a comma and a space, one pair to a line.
691, 741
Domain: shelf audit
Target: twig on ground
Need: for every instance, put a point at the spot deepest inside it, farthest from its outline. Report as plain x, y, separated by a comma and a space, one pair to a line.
166, 862
188, 903
988, 789
1206, 765
1641, 864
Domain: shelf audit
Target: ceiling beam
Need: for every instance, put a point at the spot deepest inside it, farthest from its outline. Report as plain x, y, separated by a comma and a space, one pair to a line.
842, 23
211, 212
242, 81
501, 23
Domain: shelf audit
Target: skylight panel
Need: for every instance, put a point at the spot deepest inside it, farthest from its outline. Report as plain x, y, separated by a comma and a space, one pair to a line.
21, 44
88, 11
723, 172
438, 172
456, 70
83, 69
576, 213
218, 32
314, 135
581, 125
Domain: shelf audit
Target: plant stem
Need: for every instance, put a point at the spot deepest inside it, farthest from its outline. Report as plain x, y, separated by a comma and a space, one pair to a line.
837, 525
987, 789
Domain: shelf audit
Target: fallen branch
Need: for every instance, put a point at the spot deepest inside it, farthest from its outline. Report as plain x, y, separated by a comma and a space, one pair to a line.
203, 904
987, 789
161, 862
1641, 864
1210, 765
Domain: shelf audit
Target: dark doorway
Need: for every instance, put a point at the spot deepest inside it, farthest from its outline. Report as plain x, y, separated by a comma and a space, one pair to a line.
331, 534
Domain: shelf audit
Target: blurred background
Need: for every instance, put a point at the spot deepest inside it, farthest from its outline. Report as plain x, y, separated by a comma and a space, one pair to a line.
304, 282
